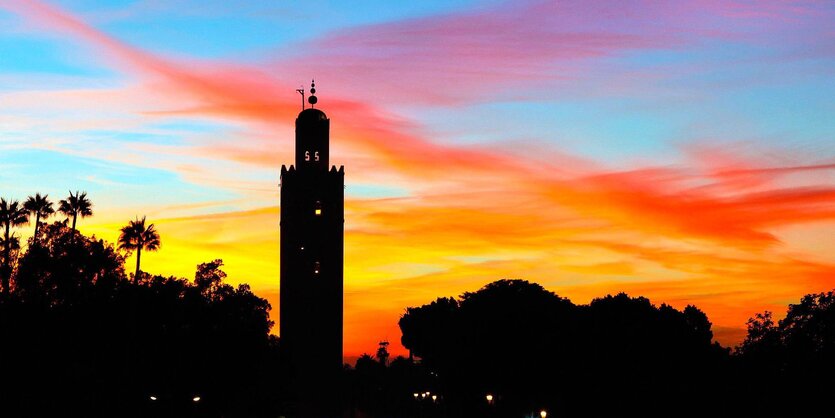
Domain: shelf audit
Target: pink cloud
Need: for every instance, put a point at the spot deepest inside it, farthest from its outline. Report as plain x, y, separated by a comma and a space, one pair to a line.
468, 195
222, 89
466, 56
661, 200
535, 49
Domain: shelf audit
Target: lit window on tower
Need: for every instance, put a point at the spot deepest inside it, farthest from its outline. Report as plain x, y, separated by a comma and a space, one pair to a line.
317, 208
316, 268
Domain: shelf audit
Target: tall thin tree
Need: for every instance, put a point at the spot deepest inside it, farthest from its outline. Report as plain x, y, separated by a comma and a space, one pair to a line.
41, 207
136, 236
11, 214
76, 205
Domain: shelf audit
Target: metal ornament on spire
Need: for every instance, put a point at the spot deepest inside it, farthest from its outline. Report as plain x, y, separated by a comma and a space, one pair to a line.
301, 91
312, 99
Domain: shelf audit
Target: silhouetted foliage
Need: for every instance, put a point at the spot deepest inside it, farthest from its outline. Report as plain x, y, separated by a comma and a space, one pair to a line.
794, 357
41, 208
76, 205
536, 350
135, 236
12, 214
79, 339
379, 389
382, 354
209, 279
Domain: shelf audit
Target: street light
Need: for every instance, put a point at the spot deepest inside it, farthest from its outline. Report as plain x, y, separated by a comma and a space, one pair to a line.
195, 399
489, 399
543, 414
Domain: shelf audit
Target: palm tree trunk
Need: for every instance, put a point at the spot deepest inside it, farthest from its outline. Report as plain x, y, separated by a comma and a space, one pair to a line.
37, 223
74, 217
138, 256
6, 268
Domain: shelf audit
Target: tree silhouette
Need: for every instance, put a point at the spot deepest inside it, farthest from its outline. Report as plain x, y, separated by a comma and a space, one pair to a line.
61, 270
13, 242
794, 357
41, 207
136, 236
74, 318
11, 214
11, 246
382, 354
534, 349
209, 279
76, 205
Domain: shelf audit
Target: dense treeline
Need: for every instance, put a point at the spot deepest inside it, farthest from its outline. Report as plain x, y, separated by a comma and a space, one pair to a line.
515, 349
78, 337
533, 351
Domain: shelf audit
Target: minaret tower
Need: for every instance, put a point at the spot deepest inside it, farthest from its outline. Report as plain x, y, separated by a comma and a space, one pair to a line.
312, 227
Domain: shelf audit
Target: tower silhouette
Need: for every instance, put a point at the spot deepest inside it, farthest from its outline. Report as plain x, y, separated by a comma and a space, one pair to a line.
312, 227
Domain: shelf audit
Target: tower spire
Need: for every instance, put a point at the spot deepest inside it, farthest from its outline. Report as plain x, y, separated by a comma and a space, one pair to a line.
312, 99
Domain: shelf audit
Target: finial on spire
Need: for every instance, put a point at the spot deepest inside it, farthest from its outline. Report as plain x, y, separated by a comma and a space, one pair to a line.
312, 99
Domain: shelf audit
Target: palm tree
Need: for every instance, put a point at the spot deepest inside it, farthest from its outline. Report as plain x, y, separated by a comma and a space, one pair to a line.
75, 206
135, 236
39, 206
11, 214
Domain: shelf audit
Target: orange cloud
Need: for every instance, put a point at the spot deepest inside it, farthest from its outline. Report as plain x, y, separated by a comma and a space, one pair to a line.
702, 232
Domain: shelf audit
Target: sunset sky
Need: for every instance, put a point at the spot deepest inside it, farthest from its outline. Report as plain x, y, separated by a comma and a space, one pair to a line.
683, 151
